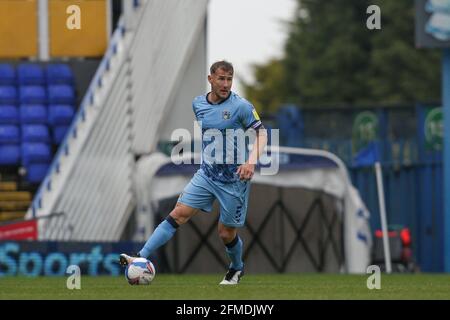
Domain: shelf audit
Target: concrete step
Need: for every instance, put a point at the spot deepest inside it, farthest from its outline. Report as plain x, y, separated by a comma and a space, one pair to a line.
11, 215
8, 186
15, 196
14, 205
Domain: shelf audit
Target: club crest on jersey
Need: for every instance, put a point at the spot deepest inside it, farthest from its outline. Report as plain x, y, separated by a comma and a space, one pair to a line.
226, 115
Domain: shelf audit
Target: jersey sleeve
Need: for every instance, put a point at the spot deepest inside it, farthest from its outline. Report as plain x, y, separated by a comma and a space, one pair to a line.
250, 118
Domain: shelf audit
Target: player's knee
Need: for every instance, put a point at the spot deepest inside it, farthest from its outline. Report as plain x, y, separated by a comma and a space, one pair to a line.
227, 234
178, 216
181, 214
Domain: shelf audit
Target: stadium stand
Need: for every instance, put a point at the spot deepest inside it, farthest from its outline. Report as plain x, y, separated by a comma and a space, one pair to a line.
40, 93
37, 105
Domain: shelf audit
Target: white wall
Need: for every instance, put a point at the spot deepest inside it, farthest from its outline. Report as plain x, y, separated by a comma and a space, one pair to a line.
192, 84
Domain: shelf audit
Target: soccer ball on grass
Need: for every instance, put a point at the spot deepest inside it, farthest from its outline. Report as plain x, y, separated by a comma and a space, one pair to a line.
140, 271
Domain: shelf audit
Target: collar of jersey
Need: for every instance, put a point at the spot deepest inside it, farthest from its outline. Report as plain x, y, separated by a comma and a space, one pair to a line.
222, 101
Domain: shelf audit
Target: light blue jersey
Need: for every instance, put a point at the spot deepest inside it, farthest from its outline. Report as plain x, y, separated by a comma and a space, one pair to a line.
232, 113
220, 180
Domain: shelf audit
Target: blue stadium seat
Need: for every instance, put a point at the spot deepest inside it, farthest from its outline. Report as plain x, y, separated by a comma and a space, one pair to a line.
33, 95
8, 95
33, 113
60, 114
30, 74
9, 134
35, 133
59, 74
36, 172
9, 154
59, 132
7, 75
33, 152
9, 115
61, 94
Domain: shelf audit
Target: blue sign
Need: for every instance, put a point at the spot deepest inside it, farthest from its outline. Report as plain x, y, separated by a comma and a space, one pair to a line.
33, 258
433, 23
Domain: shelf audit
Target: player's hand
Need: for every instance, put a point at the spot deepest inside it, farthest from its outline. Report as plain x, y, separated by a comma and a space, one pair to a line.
246, 171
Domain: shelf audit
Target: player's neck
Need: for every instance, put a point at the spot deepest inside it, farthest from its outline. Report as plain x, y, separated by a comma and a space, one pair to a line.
212, 98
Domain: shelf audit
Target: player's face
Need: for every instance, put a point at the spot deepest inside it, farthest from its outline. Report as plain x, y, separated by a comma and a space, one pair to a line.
221, 82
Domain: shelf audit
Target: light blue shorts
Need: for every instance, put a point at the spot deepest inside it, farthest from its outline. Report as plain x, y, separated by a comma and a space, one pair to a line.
233, 198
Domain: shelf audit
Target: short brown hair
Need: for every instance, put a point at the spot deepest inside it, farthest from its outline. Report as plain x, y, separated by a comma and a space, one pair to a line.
224, 65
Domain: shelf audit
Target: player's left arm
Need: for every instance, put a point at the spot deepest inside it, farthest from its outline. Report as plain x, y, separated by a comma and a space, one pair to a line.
251, 120
246, 170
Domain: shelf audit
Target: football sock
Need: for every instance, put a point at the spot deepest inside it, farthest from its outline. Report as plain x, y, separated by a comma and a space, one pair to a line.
234, 251
163, 233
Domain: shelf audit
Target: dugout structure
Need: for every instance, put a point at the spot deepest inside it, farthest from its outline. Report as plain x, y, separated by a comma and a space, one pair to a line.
306, 218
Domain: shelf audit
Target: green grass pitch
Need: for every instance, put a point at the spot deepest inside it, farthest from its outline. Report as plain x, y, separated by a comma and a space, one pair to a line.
255, 287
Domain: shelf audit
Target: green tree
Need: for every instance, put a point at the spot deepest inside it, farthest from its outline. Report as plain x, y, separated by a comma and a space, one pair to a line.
267, 92
398, 72
331, 58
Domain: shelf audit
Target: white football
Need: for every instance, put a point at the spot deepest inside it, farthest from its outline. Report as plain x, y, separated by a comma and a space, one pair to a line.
140, 271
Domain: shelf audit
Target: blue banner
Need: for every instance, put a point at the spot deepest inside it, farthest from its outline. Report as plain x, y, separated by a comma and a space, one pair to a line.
35, 258
367, 156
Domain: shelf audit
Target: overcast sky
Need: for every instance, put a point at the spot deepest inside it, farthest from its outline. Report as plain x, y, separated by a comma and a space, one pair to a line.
247, 31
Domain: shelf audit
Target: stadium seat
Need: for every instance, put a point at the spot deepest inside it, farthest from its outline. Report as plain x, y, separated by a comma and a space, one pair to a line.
30, 74
8, 95
60, 115
33, 95
59, 74
9, 154
61, 94
9, 134
33, 114
35, 133
35, 153
36, 172
7, 75
59, 132
9, 115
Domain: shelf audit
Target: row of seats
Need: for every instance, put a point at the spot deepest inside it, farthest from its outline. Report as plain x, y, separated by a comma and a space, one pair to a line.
35, 74
37, 105
34, 157
54, 115
10, 134
28, 153
52, 94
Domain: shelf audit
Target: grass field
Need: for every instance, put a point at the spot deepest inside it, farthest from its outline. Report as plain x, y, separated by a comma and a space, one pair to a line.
205, 287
